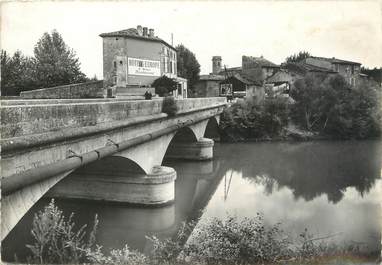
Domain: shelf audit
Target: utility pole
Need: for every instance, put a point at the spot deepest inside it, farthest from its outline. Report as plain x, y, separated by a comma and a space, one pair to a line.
172, 39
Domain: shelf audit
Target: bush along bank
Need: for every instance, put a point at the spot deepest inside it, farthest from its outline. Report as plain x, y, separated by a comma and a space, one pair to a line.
319, 107
216, 241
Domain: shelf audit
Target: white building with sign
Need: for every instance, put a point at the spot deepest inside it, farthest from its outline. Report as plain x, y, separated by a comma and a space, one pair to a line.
134, 58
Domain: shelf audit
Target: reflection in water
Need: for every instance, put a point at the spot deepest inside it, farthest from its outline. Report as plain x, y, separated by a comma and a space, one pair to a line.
125, 224
310, 169
328, 187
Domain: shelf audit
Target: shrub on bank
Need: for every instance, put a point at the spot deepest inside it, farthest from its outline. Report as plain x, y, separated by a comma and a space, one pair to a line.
215, 241
56, 240
251, 120
164, 85
169, 106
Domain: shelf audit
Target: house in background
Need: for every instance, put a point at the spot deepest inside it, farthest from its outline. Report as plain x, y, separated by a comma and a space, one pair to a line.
349, 70
236, 81
133, 58
208, 86
258, 68
284, 79
240, 86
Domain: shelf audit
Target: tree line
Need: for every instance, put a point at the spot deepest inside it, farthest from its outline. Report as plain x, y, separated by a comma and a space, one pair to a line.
54, 63
320, 105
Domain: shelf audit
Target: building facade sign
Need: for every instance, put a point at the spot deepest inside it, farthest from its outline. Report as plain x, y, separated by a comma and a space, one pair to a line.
143, 67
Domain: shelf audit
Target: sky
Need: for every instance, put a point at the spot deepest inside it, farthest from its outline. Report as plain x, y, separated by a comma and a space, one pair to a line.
350, 30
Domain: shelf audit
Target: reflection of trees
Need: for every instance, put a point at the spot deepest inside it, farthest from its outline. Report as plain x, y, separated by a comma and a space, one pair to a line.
309, 169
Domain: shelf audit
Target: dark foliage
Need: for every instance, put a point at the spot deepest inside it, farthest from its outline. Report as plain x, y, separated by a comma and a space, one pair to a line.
57, 240
187, 66
297, 57
215, 241
329, 105
250, 120
375, 74
56, 63
164, 85
169, 106
17, 73
53, 64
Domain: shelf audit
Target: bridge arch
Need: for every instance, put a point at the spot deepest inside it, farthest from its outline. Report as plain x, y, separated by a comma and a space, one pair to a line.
49, 149
118, 179
212, 128
184, 135
110, 166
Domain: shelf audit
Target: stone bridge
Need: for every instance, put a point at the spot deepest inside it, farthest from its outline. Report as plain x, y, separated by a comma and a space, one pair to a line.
98, 149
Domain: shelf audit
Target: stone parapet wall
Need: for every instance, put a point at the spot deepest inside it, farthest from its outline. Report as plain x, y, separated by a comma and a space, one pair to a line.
81, 90
21, 120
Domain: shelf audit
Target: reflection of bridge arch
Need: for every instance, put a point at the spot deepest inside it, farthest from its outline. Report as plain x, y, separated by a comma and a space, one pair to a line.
193, 191
200, 187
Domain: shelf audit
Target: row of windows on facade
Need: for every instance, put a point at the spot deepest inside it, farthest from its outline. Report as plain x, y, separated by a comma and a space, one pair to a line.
169, 66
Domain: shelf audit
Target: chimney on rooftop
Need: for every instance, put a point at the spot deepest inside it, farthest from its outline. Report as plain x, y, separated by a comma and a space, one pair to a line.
145, 31
151, 33
139, 30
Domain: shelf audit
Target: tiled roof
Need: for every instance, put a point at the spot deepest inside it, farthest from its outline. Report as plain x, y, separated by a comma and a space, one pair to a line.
303, 68
262, 61
133, 33
245, 79
211, 77
335, 60
282, 76
242, 79
229, 70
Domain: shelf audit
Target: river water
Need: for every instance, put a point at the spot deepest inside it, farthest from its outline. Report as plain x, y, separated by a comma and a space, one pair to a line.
331, 188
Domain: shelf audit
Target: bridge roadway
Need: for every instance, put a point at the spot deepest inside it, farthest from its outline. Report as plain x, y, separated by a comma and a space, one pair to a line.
118, 145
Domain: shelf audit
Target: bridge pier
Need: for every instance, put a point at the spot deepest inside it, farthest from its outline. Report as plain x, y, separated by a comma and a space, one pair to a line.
200, 150
155, 188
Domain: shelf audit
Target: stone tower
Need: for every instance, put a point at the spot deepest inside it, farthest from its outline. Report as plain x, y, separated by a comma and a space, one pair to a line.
216, 64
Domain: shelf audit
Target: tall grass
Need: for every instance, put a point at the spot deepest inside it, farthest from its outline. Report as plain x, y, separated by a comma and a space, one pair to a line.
215, 241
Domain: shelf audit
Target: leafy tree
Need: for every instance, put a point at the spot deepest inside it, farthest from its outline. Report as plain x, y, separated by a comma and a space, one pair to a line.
169, 106
17, 73
164, 85
307, 111
251, 119
297, 57
188, 66
329, 105
375, 73
56, 63
356, 112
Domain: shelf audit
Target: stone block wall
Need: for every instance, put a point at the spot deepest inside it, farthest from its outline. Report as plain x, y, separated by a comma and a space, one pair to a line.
92, 89
21, 120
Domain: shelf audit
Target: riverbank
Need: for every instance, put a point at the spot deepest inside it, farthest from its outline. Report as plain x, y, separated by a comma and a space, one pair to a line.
230, 240
291, 133
320, 185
